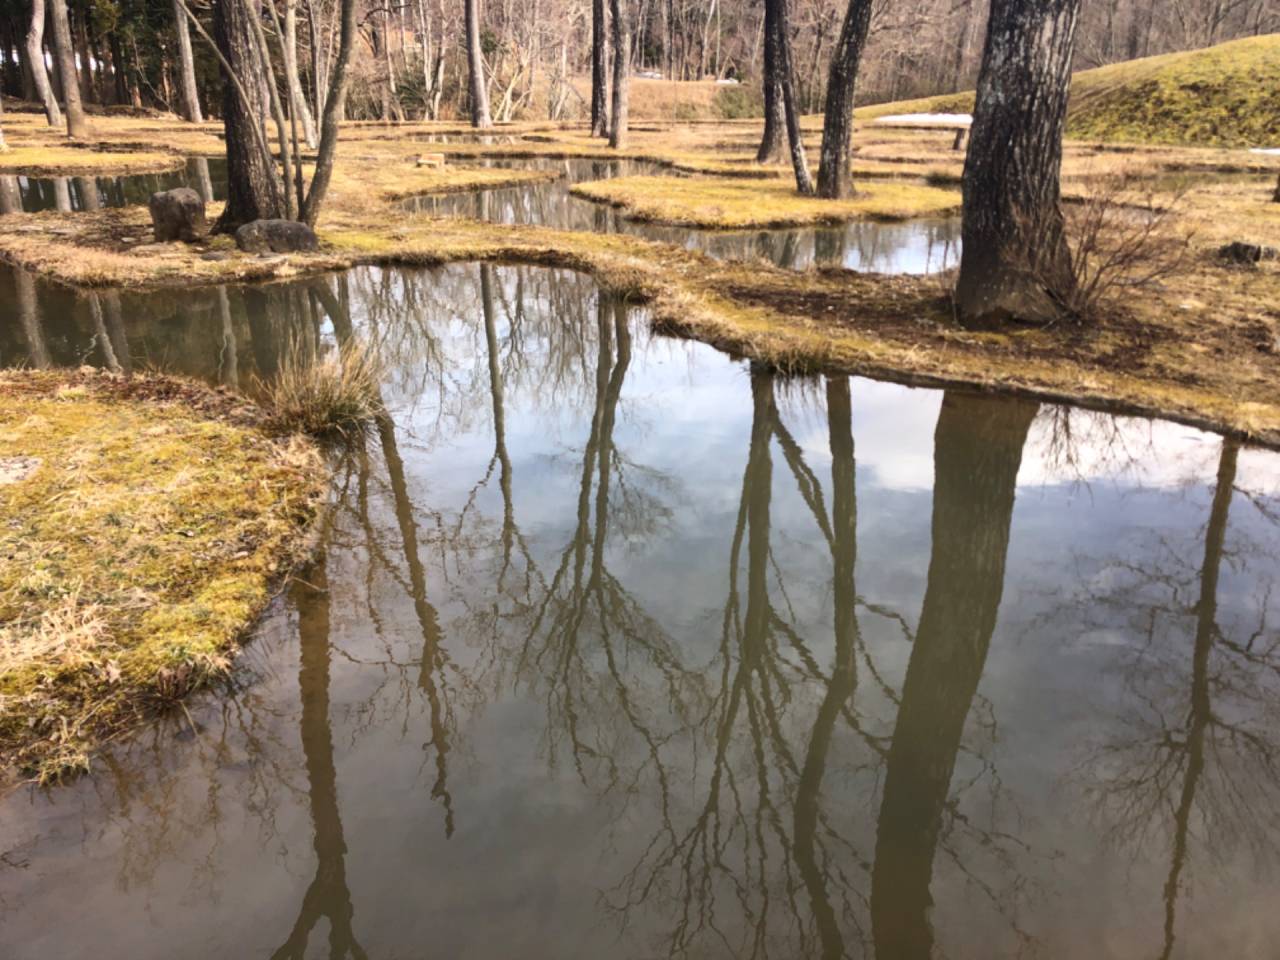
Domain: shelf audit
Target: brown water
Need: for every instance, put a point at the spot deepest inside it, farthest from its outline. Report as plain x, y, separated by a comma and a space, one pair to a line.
618, 647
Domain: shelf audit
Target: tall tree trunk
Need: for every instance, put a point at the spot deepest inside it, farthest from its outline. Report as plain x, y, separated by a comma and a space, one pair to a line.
1015, 262
80, 47
300, 109
621, 72
120, 72
77, 125
977, 451
791, 109
334, 111
4, 147
253, 188
186, 66
39, 71
599, 71
475, 68
835, 172
1276, 197
774, 121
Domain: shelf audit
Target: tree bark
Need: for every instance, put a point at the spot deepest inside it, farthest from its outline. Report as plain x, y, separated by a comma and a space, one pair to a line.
186, 67
334, 111
786, 82
475, 68
300, 108
1276, 197
1015, 262
621, 73
774, 121
835, 171
77, 126
253, 189
599, 71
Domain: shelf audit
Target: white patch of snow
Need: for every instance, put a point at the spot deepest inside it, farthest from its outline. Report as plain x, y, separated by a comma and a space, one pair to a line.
1267, 151
926, 120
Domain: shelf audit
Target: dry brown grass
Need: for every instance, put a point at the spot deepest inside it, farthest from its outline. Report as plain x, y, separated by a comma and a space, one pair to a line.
337, 393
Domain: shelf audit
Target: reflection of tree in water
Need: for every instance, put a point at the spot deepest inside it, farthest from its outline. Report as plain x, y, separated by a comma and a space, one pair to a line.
977, 452
327, 897
1192, 764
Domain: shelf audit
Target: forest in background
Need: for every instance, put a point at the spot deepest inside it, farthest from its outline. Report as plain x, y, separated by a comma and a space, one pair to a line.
410, 58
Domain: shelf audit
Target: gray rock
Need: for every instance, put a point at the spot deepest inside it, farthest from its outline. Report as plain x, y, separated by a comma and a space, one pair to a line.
278, 236
1247, 253
215, 255
178, 215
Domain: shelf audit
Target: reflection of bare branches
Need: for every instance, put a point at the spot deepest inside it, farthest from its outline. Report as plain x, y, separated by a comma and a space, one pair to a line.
1196, 766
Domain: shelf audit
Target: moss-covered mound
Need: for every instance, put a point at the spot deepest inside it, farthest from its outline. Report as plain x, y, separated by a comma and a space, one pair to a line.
142, 525
1225, 96
734, 204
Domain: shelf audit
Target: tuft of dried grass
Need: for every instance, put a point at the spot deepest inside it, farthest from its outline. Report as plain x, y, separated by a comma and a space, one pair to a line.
323, 395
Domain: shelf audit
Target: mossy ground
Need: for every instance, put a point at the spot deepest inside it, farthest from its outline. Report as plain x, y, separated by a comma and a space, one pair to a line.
141, 533
723, 203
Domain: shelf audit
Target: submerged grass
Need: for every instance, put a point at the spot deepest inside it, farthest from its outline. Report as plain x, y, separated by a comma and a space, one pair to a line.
141, 534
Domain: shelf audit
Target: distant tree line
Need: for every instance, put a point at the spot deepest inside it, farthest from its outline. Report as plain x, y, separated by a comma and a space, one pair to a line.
410, 57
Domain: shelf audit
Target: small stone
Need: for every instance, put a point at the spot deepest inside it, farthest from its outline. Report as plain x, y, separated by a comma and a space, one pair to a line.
279, 236
1247, 253
128, 239
178, 215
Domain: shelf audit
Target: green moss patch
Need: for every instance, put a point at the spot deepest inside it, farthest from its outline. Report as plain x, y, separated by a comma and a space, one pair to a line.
142, 525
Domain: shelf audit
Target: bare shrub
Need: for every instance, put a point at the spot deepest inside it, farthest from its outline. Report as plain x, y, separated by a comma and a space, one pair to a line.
1122, 239
333, 393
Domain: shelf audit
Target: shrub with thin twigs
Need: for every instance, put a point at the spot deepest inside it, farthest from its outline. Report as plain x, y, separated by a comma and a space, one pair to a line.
321, 395
1122, 240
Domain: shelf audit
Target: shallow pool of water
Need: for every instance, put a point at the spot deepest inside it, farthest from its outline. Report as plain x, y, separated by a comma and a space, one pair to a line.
18, 194
914, 247
619, 647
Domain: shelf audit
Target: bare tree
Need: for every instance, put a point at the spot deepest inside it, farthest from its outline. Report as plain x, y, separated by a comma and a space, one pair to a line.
774, 121
786, 83
297, 99
1015, 260
35, 60
835, 173
77, 125
621, 73
186, 67
599, 71
475, 68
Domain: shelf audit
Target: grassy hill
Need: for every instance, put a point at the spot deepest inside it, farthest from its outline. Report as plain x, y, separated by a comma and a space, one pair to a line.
1227, 96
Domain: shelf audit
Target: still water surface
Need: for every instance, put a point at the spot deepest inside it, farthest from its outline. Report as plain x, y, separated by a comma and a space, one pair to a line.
20, 194
917, 246
618, 647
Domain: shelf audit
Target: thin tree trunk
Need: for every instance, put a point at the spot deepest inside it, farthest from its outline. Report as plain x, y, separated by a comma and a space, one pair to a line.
334, 111
1015, 262
77, 126
300, 109
36, 58
795, 138
599, 68
475, 68
621, 73
1276, 198
186, 67
4, 147
835, 172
